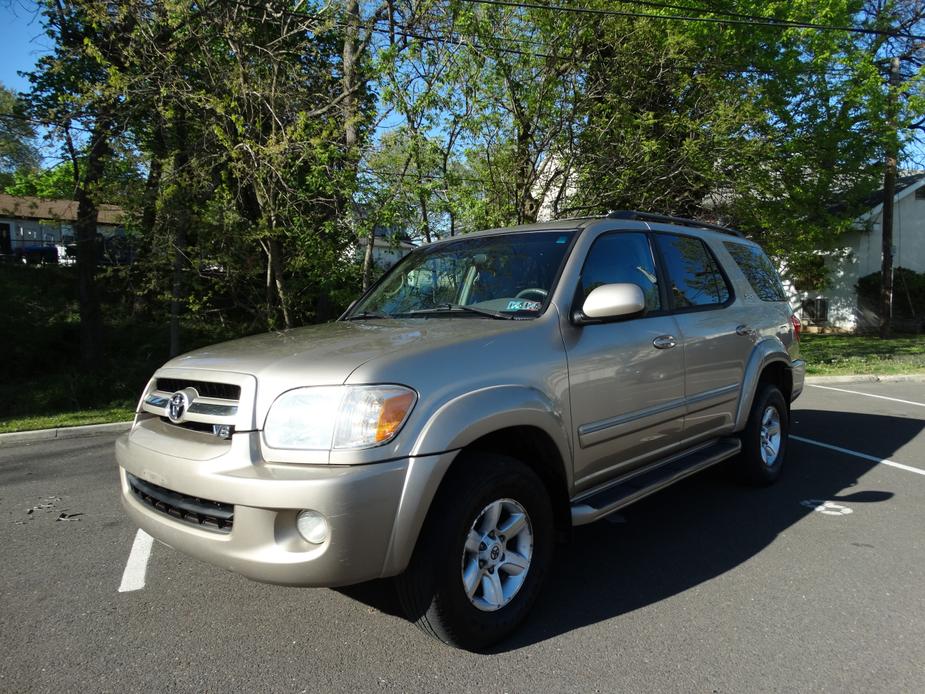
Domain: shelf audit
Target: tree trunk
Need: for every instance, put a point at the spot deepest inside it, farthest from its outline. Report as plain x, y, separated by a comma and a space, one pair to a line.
180, 216
425, 216
85, 230
527, 206
368, 259
889, 193
349, 106
276, 262
180, 243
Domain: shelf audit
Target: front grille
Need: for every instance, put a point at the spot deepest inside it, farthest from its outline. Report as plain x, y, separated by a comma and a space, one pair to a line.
223, 391
203, 513
191, 426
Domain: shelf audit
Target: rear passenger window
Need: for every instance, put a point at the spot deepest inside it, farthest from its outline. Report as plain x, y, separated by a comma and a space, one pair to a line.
694, 278
758, 270
617, 258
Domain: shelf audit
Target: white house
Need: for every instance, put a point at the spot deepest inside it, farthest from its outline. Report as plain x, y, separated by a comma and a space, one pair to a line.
859, 254
27, 222
389, 247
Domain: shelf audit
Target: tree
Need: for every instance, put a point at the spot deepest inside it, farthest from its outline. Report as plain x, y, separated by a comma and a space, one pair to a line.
75, 92
18, 152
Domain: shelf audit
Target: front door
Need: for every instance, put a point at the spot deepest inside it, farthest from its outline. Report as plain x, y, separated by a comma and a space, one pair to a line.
627, 394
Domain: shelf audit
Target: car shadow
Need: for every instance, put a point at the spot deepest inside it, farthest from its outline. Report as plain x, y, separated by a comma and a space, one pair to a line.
691, 532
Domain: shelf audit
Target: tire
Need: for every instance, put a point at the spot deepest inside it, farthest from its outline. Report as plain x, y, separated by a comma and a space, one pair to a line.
764, 441
432, 590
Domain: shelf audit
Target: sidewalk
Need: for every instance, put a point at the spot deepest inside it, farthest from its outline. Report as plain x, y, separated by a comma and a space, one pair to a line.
63, 433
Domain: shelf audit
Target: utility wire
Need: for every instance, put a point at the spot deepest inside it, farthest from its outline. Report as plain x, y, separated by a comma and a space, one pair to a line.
756, 21
459, 41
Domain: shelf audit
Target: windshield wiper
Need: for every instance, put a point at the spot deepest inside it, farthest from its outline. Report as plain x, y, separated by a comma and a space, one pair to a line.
367, 315
448, 308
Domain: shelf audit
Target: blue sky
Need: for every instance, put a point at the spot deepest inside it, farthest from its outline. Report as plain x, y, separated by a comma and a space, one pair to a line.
22, 39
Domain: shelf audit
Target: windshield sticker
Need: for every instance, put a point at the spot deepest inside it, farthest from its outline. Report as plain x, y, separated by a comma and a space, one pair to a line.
562, 239
523, 305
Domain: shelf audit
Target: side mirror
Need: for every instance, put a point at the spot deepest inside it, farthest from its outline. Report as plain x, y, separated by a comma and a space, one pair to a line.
610, 301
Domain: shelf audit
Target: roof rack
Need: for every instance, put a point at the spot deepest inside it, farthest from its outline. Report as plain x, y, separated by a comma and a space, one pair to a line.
666, 219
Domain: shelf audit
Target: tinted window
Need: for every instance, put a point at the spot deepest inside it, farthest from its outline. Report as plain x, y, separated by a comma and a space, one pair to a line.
758, 271
617, 258
694, 277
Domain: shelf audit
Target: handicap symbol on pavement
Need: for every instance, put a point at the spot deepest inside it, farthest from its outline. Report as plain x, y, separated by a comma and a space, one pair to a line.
829, 508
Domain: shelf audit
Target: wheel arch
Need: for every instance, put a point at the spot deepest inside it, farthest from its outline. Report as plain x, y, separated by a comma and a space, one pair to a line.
515, 421
769, 363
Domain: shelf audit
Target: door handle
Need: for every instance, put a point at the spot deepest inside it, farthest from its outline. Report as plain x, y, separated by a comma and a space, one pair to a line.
745, 331
664, 342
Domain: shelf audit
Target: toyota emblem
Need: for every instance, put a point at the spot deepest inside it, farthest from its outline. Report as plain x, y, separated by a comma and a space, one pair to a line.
179, 402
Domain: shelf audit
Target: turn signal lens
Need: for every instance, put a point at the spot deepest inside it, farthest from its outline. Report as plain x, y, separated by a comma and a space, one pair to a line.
393, 413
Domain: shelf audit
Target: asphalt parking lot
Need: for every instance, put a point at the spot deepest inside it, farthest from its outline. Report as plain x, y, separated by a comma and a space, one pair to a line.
816, 583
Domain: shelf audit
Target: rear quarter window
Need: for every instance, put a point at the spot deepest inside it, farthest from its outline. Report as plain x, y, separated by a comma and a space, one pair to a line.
758, 270
695, 280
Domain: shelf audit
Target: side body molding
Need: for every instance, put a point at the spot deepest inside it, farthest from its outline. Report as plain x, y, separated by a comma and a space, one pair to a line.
767, 351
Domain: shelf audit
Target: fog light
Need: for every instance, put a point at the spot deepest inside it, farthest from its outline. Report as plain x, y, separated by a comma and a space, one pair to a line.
312, 526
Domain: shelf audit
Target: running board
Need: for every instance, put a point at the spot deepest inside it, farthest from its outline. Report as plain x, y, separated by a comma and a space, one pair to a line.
637, 485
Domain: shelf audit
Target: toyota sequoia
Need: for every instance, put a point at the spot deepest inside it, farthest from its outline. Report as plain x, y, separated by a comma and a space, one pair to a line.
489, 393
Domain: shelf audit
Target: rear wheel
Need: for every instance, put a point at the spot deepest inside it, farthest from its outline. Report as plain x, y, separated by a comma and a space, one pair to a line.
483, 553
764, 440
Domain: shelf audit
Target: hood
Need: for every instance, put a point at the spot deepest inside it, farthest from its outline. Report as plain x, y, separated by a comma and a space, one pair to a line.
327, 354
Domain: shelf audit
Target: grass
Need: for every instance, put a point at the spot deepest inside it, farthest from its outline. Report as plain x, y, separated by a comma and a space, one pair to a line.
67, 419
848, 355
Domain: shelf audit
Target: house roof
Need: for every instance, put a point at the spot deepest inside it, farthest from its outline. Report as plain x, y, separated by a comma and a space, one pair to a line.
905, 185
26, 207
902, 183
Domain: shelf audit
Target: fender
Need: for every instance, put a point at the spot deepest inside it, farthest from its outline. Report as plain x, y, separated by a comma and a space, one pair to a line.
767, 351
453, 426
474, 414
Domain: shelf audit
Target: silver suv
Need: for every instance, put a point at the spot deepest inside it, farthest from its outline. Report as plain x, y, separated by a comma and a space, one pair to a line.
489, 393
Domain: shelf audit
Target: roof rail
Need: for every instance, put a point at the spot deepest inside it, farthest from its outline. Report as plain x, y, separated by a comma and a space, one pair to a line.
667, 219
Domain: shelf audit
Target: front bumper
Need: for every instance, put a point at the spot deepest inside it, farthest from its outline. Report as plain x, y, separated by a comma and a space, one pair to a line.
374, 511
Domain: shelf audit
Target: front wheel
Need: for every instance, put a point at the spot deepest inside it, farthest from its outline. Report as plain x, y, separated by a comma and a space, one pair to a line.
485, 549
764, 440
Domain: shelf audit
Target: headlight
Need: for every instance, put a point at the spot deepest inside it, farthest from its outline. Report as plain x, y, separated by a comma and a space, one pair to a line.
326, 417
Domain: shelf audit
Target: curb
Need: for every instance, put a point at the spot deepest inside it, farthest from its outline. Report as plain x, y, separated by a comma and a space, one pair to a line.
867, 378
63, 433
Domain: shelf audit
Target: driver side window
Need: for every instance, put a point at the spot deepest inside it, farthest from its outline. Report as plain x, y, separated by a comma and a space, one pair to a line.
621, 257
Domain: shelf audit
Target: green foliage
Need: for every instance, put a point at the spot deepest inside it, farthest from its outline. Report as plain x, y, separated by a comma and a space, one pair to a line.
55, 183
17, 136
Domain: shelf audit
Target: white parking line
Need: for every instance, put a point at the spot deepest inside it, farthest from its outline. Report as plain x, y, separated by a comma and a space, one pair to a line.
133, 578
870, 395
883, 461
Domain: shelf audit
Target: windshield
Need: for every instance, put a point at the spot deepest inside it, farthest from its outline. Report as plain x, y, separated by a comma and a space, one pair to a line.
503, 276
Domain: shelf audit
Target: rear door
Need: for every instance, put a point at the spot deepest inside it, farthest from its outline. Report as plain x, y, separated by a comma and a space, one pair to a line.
627, 394
714, 330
